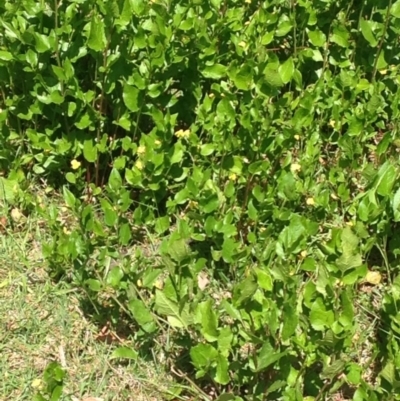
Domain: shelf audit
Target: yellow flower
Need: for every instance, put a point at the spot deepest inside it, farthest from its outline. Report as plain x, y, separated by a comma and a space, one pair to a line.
232, 177
303, 254
295, 167
139, 165
141, 150
242, 43
247, 1
75, 164
373, 278
310, 201
182, 134
36, 383
159, 284
332, 123
157, 142
211, 95
297, 137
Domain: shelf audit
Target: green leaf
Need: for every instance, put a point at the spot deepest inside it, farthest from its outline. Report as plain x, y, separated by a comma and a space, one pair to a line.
222, 374
8, 190
207, 149
290, 321
209, 321
124, 353
286, 70
203, 355
316, 37
366, 30
340, 36
264, 279
97, 38
320, 318
42, 43
69, 197
386, 178
140, 312
333, 370
115, 276
267, 356
130, 96
6, 56
353, 374
216, 71
125, 234
162, 224
89, 150
389, 372
115, 180
94, 285
166, 307
395, 10
396, 205
178, 249
225, 339
244, 290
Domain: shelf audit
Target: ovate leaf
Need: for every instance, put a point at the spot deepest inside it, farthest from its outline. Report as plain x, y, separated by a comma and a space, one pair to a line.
130, 96
97, 38
366, 30
164, 306
286, 70
395, 10
124, 353
216, 71
203, 355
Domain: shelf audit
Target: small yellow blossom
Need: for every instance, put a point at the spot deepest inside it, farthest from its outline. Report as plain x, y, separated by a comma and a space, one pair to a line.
139, 165
232, 177
141, 150
310, 201
139, 283
334, 196
36, 383
350, 223
332, 123
66, 231
157, 142
247, 1
297, 137
75, 164
159, 284
383, 72
303, 254
242, 43
295, 167
211, 95
16, 214
373, 278
182, 133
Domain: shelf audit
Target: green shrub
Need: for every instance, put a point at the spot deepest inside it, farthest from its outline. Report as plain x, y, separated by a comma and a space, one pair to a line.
254, 142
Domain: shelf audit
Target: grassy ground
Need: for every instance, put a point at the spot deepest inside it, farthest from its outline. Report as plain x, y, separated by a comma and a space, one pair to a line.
41, 321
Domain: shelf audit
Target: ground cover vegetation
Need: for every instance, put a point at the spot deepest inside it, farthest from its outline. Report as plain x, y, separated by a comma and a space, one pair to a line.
218, 180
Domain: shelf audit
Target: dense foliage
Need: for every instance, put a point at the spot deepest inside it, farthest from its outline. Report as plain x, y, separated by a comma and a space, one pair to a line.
232, 172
